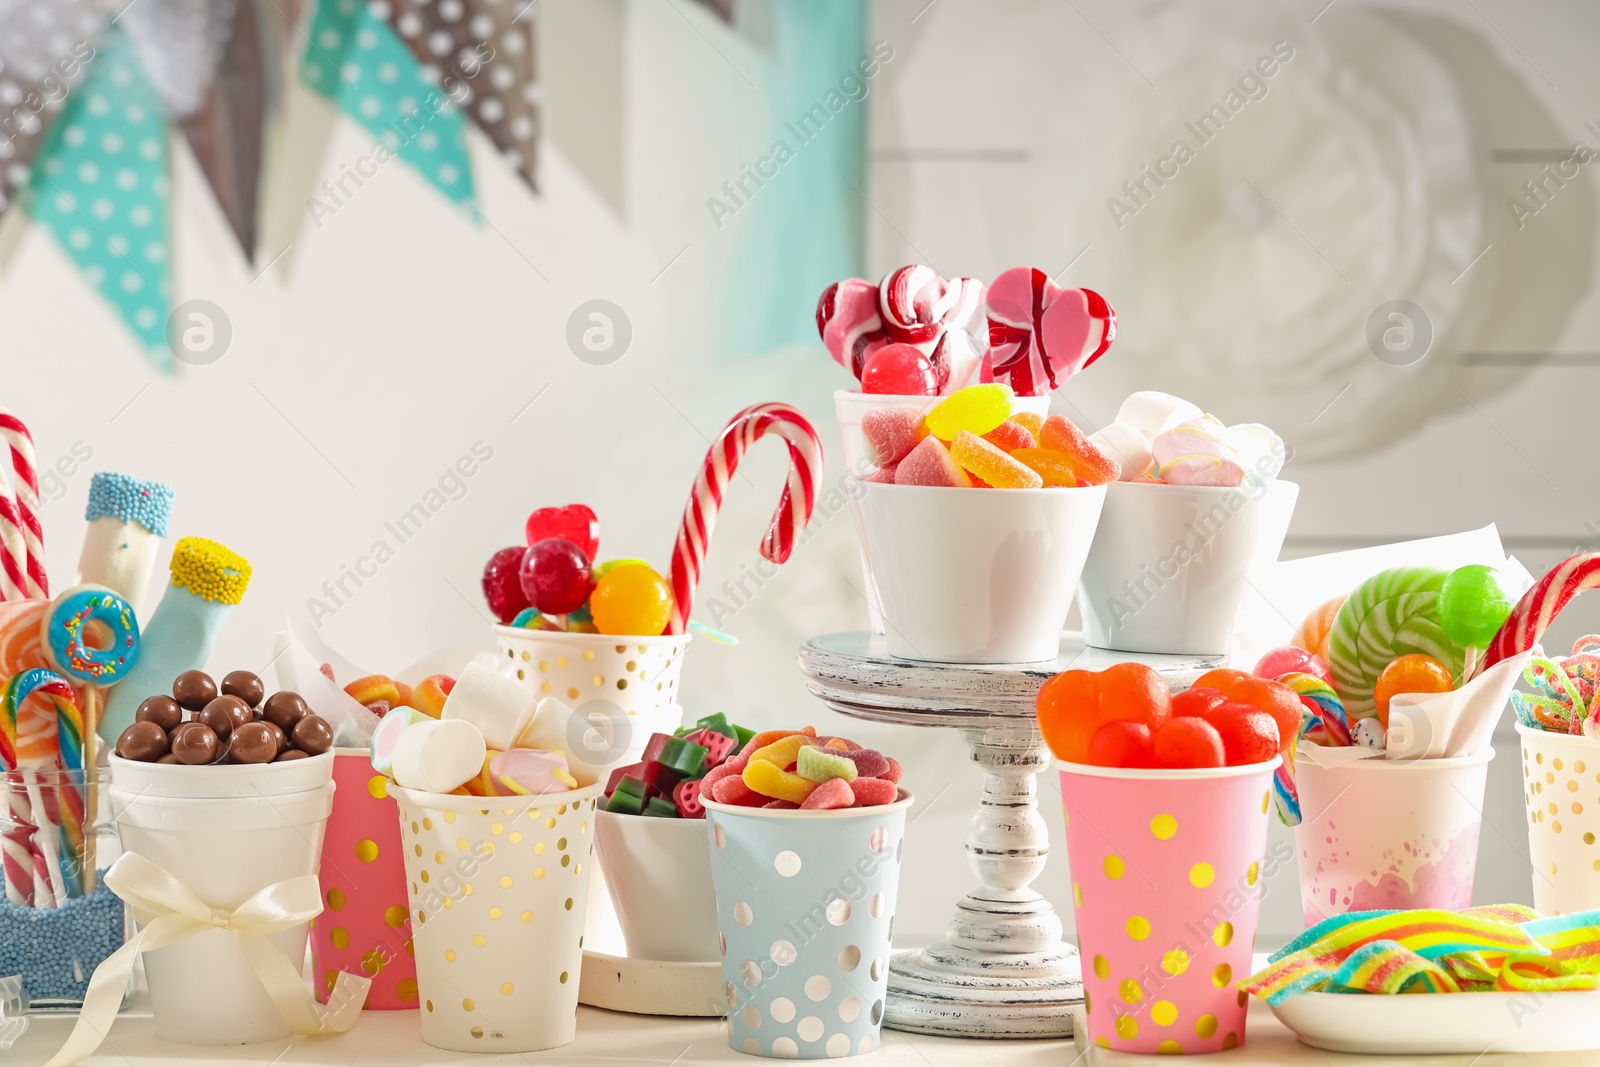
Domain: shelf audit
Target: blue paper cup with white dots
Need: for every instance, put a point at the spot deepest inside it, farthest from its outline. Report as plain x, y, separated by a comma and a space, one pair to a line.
805, 917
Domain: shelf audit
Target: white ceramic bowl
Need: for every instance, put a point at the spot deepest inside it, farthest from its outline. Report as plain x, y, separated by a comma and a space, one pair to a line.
659, 875
1170, 562
974, 575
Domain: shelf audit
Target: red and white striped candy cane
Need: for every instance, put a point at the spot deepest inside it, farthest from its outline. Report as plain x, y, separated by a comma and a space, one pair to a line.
700, 516
1540, 605
25, 487
13, 549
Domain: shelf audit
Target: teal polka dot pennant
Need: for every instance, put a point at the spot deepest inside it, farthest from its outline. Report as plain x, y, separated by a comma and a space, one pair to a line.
354, 58
100, 184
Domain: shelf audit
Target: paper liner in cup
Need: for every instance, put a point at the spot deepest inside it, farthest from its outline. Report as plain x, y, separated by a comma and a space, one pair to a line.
1166, 891
1020, 552
366, 927
1170, 563
1381, 833
805, 912
203, 991
498, 888
659, 875
637, 674
1560, 773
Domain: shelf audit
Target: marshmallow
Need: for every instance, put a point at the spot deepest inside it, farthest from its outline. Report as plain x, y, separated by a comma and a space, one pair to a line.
387, 736
1128, 446
1154, 413
592, 742
438, 755
1201, 470
499, 707
522, 772
1262, 451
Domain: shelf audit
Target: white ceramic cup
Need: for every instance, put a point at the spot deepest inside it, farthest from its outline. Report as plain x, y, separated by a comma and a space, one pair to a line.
849, 405
1170, 562
226, 848
659, 875
1562, 820
974, 575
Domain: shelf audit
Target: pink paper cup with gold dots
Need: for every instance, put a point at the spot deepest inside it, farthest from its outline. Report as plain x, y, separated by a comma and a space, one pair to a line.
1166, 892
365, 927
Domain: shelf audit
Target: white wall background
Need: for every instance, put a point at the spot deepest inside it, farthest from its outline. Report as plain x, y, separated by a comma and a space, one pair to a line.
381, 346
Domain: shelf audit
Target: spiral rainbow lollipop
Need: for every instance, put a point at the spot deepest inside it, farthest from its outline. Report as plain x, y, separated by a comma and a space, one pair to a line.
38, 742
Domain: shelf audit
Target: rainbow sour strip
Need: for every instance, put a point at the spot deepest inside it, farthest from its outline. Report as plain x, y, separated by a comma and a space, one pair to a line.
1390, 967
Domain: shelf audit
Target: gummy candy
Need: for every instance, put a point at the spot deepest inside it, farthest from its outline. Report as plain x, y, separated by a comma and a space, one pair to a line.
1197, 700
372, 688
575, 522
732, 790
1073, 705
1189, 742
821, 765
1473, 605
899, 369
894, 771
1121, 743
1031, 421
686, 798
428, 696
882, 476
872, 791
1249, 735
833, 793
1274, 698
930, 464
1292, 660
1412, 673
556, 576
891, 433
1010, 436
767, 737
1092, 465
976, 409
984, 460
502, 583
632, 600
1055, 469
771, 780
783, 752
869, 762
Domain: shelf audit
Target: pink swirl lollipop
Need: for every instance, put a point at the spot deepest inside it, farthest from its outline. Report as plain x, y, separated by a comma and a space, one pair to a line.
1041, 334
911, 305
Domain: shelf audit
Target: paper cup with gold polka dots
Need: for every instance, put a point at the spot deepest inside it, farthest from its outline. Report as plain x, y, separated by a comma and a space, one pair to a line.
498, 890
805, 917
637, 674
1561, 784
1166, 891
365, 926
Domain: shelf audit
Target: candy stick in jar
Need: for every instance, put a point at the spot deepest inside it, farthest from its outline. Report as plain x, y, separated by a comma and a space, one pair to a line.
700, 515
127, 519
43, 744
64, 633
208, 579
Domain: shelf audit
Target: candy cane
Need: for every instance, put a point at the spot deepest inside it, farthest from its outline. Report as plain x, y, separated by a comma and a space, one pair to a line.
700, 516
13, 548
1540, 605
25, 484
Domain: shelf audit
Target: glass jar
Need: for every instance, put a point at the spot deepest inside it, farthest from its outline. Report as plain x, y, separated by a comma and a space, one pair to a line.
58, 920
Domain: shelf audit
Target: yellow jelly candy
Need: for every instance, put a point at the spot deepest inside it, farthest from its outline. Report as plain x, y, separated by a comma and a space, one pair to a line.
783, 751
984, 460
770, 780
1054, 467
976, 409
1029, 421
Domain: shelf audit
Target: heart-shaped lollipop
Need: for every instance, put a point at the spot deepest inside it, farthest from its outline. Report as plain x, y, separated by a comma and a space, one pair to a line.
912, 305
1041, 334
576, 523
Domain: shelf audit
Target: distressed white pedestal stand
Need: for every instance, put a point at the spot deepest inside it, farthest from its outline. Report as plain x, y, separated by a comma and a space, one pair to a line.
1003, 971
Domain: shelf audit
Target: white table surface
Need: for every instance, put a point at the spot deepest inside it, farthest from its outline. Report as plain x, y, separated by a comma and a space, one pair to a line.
394, 1039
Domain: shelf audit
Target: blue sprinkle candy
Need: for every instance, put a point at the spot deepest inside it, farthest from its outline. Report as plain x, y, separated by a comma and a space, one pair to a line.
56, 950
126, 499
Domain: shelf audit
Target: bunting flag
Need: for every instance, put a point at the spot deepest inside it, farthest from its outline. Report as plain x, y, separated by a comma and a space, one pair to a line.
45, 52
100, 185
205, 59
355, 59
486, 51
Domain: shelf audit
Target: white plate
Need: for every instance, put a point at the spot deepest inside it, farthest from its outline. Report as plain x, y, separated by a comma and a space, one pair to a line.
1440, 1023
651, 987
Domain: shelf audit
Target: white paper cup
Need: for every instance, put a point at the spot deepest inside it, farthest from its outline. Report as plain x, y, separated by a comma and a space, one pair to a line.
805, 910
637, 674
1384, 833
849, 405
226, 848
659, 875
499, 892
1170, 562
974, 575
1558, 784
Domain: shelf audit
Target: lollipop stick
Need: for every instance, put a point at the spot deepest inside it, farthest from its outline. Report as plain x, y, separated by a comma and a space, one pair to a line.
91, 786
49, 831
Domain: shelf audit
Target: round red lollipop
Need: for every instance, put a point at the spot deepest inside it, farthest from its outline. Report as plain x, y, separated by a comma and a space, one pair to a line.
556, 576
900, 369
502, 583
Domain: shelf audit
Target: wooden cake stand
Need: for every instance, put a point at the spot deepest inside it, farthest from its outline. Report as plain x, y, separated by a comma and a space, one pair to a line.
1003, 971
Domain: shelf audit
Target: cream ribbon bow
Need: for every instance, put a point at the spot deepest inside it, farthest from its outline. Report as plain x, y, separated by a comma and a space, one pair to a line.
168, 911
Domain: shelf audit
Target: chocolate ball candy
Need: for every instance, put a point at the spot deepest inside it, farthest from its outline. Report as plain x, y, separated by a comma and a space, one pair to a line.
284, 710
244, 685
235, 708
292, 754
253, 743
161, 710
278, 735
195, 743
216, 715
312, 735
144, 741
170, 758
194, 690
